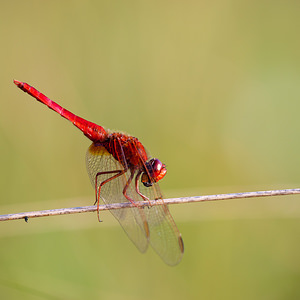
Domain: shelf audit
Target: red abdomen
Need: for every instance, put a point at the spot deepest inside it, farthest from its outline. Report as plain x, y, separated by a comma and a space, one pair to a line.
91, 130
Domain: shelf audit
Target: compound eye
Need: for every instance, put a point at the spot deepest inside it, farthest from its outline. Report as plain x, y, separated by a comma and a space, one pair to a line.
156, 165
156, 170
159, 169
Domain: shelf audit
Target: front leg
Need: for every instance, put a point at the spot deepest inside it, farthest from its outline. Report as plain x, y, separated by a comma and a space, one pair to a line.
137, 177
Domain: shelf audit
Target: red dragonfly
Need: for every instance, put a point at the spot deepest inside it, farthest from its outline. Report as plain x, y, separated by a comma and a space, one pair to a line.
121, 171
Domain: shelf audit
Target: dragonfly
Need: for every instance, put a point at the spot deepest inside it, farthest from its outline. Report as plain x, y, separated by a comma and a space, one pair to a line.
122, 171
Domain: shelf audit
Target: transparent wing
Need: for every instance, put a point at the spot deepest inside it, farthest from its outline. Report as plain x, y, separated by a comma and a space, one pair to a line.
133, 220
153, 223
165, 237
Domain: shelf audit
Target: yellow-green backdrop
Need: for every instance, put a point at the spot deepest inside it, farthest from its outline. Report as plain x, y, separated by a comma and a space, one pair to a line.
210, 87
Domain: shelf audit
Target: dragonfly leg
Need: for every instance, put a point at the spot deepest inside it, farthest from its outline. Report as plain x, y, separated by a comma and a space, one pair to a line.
97, 191
142, 214
137, 177
126, 187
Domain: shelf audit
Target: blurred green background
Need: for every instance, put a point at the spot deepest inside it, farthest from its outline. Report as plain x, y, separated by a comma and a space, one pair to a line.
210, 87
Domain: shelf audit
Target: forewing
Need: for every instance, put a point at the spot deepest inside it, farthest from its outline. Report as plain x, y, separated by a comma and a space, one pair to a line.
133, 220
165, 237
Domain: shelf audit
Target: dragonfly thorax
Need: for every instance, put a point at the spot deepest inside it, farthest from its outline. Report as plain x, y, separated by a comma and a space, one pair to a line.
127, 150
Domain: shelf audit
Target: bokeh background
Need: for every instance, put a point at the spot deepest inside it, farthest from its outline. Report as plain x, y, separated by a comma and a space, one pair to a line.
210, 87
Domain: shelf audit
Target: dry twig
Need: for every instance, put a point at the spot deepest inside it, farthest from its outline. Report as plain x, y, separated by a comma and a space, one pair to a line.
83, 209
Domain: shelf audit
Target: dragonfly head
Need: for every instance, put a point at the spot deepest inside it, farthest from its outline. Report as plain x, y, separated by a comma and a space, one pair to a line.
156, 170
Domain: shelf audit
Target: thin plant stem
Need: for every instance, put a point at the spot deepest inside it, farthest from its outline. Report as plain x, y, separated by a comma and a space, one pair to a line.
84, 209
